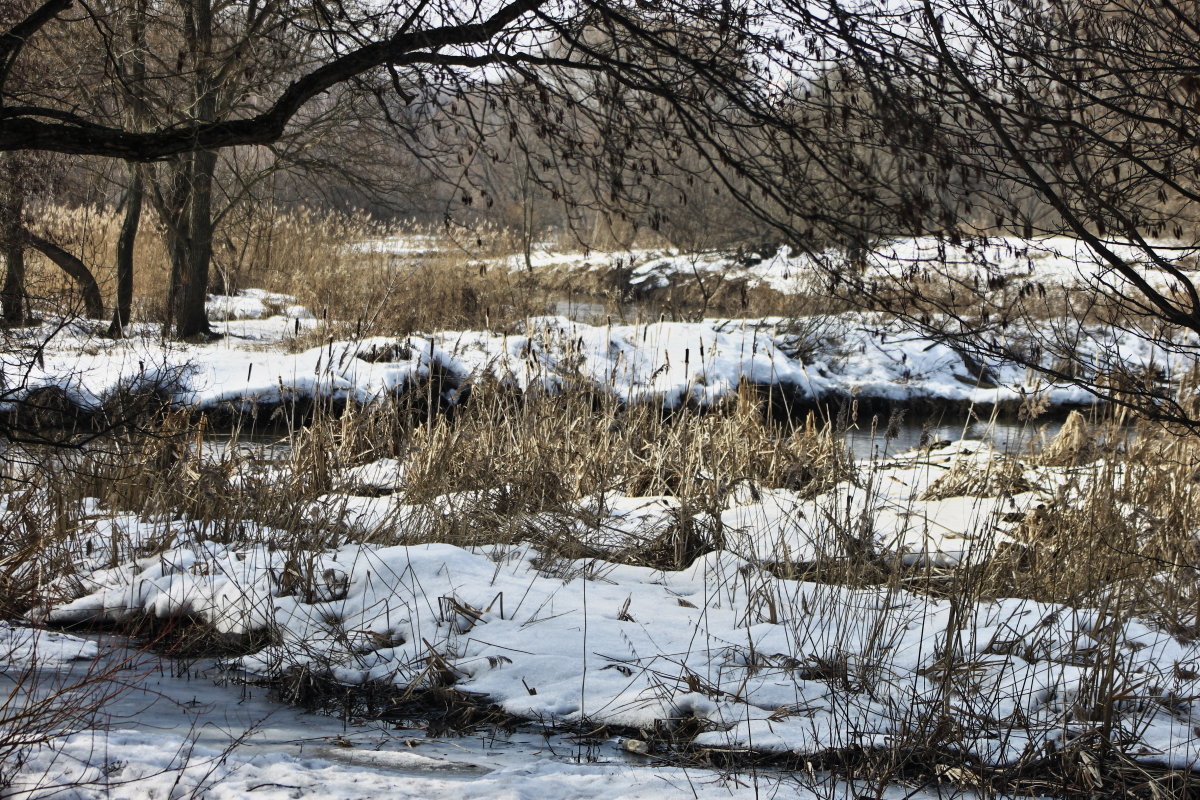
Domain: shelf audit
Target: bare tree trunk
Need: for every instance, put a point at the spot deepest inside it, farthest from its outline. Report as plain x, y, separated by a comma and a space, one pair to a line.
192, 251
191, 246
134, 88
122, 312
93, 303
14, 301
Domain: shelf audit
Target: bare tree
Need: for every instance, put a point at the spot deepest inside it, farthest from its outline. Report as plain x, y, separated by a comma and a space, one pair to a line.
833, 124
1032, 119
13, 297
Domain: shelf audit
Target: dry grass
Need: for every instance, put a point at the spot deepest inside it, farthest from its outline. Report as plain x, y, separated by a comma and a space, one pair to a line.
519, 466
1127, 530
456, 279
1120, 538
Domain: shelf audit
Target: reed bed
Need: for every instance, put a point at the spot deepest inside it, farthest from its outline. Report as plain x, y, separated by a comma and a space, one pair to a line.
1116, 535
1114, 531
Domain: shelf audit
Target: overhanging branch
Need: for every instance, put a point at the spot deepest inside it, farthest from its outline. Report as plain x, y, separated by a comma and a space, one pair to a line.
30, 128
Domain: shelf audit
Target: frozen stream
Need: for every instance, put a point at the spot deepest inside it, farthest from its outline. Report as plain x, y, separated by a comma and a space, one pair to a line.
173, 728
1009, 436
196, 700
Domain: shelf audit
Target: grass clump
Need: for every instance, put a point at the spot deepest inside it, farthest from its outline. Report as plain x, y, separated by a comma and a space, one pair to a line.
1111, 537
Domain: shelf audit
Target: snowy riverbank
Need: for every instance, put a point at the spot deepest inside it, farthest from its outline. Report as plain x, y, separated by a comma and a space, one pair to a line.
808, 360
723, 649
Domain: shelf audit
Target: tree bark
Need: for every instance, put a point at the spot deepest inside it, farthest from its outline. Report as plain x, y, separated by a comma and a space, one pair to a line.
89, 290
133, 83
14, 301
192, 253
123, 310
186, 207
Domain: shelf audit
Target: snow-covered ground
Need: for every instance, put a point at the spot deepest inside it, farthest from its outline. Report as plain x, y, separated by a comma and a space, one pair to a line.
722, 653
172, 730
850, 354
254, 304
746, 659
922, 506
1051, 261
839, 355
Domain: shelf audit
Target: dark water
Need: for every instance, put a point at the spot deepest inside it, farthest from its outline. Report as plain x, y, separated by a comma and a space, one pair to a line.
1014, 437
199, 700
1010, 436
867, 438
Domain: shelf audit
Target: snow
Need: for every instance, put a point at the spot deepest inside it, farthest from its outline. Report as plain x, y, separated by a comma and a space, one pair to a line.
254, 304
721, 641
23, 647
152, 765
163, 731
1058, 261
923, 506
864, 355
673, 363
728, 645
1051, 261
402, 245
756, 660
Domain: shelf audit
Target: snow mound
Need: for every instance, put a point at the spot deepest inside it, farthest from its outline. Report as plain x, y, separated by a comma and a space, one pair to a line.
746, 658
254, 304
668, 363
26, 647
